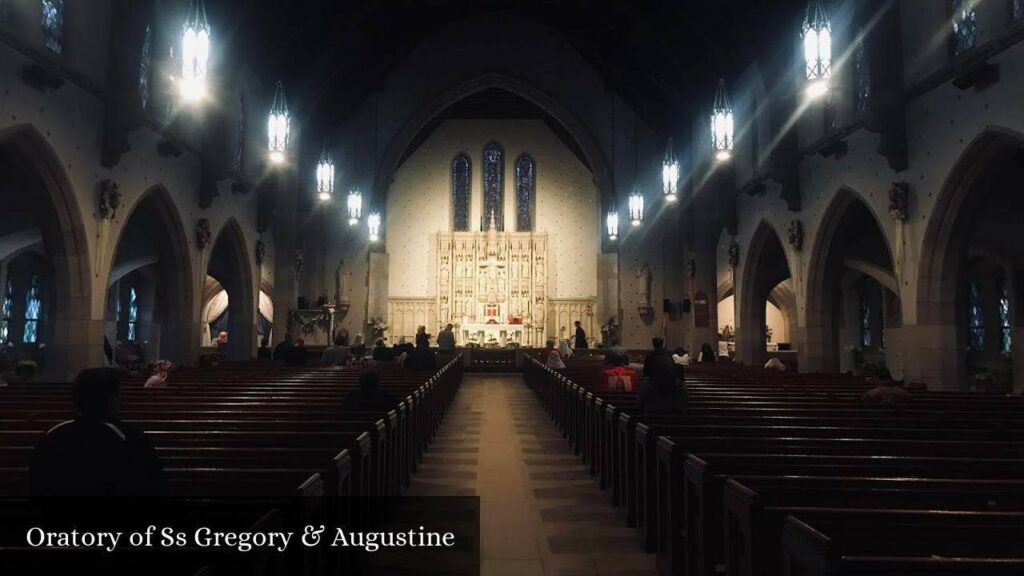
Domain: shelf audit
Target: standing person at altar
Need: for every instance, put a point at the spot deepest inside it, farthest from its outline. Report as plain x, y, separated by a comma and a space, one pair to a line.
581, 336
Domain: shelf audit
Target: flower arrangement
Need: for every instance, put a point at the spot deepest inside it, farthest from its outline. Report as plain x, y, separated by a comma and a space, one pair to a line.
379, 327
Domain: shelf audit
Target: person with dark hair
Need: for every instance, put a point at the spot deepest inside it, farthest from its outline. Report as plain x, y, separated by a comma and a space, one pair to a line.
581, 337
264, 352
298, 355
282, 350
681, 356
422, 357
662, 389
446, 340
381, 352
96, 454
617, 355
369, 397
336, 355
707, 354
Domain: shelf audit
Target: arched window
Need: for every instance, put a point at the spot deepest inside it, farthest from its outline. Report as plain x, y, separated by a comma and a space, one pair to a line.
145, 62
975, 319
53, 25
965, 26
526, 191
5, 311
494, 187
862, 78
33, 311
133, 314
461, 173
1006, 342
865, 323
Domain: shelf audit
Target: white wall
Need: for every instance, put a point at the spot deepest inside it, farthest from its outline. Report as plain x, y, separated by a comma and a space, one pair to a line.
774, 318
419, 204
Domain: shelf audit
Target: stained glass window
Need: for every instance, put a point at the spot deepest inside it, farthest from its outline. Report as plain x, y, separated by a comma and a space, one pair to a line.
975, 319
1006, 342
33, 311
461, 173
5, 312
53, 25
865, 323
133, 314
145, 62
965, 26
526, 188
862, 71
494, 187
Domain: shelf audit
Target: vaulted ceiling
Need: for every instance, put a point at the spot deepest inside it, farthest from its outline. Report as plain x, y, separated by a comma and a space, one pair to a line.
662, 56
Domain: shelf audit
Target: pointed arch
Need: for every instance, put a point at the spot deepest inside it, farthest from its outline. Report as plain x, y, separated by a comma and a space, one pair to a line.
765, 267
169, 299
73, 340
492, 174
829, 252
462, 191
940, 306
526, 192
231, 265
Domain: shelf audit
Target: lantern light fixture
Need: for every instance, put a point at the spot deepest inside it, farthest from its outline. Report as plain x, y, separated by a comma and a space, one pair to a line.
722, 125
816, 34
373, 224
278, 127
325, 175
195, 53
612, 222
670, 174
636, 207
355, 206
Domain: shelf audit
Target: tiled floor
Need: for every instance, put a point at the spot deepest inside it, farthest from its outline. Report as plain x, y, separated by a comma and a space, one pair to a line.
541, 513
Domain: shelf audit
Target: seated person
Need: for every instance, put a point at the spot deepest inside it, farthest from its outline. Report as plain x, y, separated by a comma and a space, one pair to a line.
663, 389
554, 360
337, 354
549, 347
359, 347
282, 350
264, 352
617, 355
446, 340
298, 355
707, 354
369, 397
96, 454
381, 352
681, 357
422, 357
160, 371
222, 341
402, 346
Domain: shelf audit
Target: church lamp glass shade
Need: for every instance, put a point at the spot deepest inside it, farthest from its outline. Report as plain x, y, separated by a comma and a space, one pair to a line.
612, 222
355, 206
278, 127
816, 34
722, 125
325, 176
670, 174
636, 207
195, 53
373, 224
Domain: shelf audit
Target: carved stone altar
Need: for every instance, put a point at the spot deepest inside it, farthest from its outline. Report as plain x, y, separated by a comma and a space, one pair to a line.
493, 285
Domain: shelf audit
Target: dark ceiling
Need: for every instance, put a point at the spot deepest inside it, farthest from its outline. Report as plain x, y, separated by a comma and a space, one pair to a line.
662, 56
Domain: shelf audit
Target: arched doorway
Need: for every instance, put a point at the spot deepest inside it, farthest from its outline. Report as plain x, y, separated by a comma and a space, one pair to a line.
231, 269
971, 262
853, 304
149, 291
44, 261
767, 306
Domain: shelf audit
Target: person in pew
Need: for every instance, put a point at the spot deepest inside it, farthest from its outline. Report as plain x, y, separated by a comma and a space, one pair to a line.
264, 352
446, 340
707, 354
95, 454
422, 357
282, 350
298, 355
774, 363
580, 337
381, 352
337, 354
402, 347
554, 358
359, 346
681, 357
617, 355
549, 347
160, 371
886, 393
369, 397
663, 387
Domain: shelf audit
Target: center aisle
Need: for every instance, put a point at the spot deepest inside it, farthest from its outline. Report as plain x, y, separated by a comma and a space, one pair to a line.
541, 513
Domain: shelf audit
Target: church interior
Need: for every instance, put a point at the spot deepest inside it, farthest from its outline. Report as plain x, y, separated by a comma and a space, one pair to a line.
654, 286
